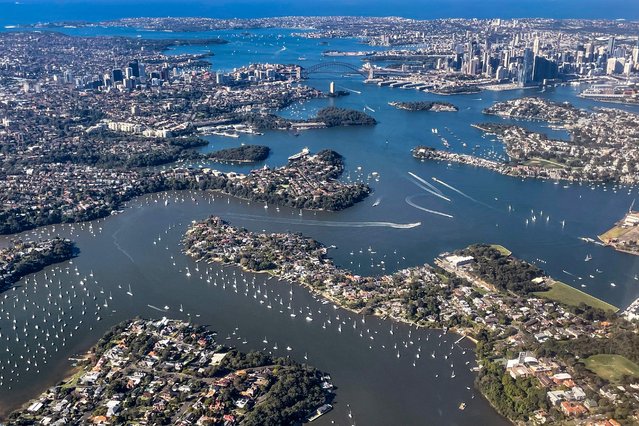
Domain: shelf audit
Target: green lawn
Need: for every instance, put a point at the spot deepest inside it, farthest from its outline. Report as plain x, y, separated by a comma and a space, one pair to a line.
611, 367
563, 293
503, 250
614, 232
540, 162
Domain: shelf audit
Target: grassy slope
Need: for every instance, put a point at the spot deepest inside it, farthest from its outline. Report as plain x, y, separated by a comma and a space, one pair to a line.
568, 295
612, 367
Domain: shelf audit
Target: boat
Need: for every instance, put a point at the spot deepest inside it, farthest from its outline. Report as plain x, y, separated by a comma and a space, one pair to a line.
130, 293
588, 258
320, 412
304, 152
462, 406
376, 203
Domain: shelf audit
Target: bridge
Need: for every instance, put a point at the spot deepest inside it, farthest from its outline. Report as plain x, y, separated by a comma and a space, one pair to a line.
333, 67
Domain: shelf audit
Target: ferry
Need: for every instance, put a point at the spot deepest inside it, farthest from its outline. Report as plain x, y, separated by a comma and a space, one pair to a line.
320, 412
299, 155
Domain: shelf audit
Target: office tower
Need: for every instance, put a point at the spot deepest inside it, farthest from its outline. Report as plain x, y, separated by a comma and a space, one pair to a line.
117, 76
525, 73
135, 68
141, 72
615, 66
611, 45
536, 46
543, 69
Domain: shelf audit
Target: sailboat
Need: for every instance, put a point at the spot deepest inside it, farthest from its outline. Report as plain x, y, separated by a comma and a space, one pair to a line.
130, 293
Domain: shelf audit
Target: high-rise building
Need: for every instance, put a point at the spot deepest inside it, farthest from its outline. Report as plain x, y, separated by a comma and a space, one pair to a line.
117, 75
135, 68
536, 46
526, 71
68, 77
543, 69
141, 72
331, 87
611, 45
615, 65
128, 72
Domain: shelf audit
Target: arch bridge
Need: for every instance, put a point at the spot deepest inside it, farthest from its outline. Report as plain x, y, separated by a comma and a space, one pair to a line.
333, 67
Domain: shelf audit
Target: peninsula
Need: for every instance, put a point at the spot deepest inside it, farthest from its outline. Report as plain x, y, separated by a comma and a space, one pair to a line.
624, 236
425, 106
306, 182
508, 306
172, 372
26, 257
603, 145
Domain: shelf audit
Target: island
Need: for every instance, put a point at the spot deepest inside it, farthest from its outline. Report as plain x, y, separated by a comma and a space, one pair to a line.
172, 372
333, 116
539, 342
26, 257
241, 154
624, 236
425, 106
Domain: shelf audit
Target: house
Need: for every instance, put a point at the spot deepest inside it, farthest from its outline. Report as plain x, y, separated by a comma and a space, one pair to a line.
113, 406
555, 397
573, 409
99, 420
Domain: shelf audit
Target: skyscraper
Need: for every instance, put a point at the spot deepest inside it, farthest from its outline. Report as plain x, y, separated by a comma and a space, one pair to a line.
116, 75
611, 45
135, 68
543, 69
536, 46
526, 71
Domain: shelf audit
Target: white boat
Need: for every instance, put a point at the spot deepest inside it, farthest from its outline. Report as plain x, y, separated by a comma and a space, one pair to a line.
300, 154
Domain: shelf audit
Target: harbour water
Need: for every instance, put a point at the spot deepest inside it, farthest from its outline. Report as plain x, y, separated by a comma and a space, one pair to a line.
379, 377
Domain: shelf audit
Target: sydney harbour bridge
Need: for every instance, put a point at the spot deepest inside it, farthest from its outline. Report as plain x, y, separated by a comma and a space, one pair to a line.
334, 67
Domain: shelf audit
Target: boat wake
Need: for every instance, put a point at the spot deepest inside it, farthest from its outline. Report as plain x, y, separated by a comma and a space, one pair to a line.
328, 224
119, 247
441, 182
436, 192
409, 201
156, 308
351, 90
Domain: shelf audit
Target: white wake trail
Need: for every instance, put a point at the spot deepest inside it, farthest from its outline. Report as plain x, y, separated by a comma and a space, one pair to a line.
410, 203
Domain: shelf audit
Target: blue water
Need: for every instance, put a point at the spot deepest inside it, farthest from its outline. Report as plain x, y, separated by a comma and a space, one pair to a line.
587, 210
125, 252
25, 11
